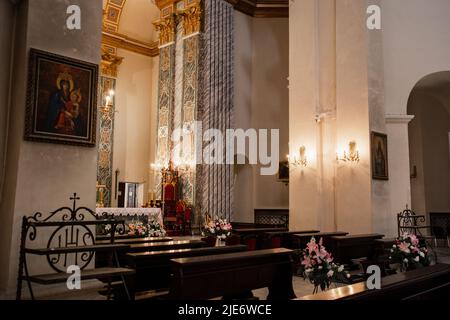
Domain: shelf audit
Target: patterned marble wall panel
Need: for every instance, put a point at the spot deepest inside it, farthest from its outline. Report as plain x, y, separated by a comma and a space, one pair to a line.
165, 109
105, 145
189, 114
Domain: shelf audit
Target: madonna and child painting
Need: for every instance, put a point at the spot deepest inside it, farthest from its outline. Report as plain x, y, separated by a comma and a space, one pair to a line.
61, 100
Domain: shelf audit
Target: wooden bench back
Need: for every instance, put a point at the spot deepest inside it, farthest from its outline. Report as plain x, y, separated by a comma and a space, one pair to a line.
346, 248
233, 274
421, 284
153, 269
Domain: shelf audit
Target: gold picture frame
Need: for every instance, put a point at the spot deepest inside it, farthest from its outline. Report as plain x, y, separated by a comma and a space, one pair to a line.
61, 100
379, 155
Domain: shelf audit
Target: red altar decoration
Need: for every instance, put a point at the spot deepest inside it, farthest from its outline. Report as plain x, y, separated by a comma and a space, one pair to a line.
177, 214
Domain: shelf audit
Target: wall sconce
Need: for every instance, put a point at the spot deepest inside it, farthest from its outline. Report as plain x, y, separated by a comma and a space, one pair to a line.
301, 160
351, 156
108, 102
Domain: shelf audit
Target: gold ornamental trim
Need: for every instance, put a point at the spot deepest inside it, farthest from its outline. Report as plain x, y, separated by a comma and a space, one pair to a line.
110, 64
166, 29
191, 17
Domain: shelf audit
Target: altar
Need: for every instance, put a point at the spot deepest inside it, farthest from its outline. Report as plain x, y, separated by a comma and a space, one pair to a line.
132, 213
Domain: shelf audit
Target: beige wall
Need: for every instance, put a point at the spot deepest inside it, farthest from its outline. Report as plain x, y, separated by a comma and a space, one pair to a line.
40, 176
328, 78
134, 133
7, 16
353, 181
375, 73
261, 102
414, 45
429, 152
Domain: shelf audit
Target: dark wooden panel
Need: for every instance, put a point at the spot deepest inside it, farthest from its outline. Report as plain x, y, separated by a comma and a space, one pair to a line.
346, 248
422, 284
99, 273
102, 260
171, 245
136, 240
299, 241
262, 8
233, 274
283, 239
258, 231
153, 268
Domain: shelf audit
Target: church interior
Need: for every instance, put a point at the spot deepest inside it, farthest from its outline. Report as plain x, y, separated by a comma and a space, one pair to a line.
224, 150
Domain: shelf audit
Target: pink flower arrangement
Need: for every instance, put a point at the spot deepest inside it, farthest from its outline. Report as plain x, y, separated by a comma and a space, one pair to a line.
408, 253
316, 264
137, 229
219, 228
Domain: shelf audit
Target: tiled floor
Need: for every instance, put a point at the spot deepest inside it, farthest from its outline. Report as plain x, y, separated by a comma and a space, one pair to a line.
301, 287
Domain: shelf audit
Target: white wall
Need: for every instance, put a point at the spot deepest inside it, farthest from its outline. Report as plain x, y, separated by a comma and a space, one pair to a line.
133, 130
41, 176
415, 44
429, 152
261, 102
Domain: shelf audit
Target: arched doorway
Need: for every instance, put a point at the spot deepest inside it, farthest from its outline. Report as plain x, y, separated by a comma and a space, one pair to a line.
429, 139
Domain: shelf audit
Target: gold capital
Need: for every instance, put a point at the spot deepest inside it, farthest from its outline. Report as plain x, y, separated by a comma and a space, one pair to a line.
110, 64
191, 17
166, 29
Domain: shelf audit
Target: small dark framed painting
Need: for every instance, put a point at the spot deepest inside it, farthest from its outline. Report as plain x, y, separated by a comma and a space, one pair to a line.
283, 171
379, 150
61, 100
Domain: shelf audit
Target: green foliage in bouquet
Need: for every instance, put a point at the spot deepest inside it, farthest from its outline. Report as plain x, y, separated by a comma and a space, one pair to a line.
408, 253
219, 228
316, 264
155, 229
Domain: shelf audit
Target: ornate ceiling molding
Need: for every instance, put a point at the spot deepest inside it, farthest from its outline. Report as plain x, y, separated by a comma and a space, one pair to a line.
262, 8
122, 41
111, 15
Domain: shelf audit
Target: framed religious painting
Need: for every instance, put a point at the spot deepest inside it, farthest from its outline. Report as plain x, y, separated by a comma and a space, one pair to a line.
61, 100
379, 150
283, 171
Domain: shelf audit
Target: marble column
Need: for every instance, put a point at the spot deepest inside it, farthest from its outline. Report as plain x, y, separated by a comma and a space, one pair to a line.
215, 183
166, 91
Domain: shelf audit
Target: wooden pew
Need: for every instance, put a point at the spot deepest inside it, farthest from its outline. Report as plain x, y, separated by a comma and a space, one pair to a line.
136, 240
233, 274
251, 225
346, 248
253, 237
299, 241
170, 245
257, 231
421, 284
282, 239
153, 268
382, 246
101, 260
